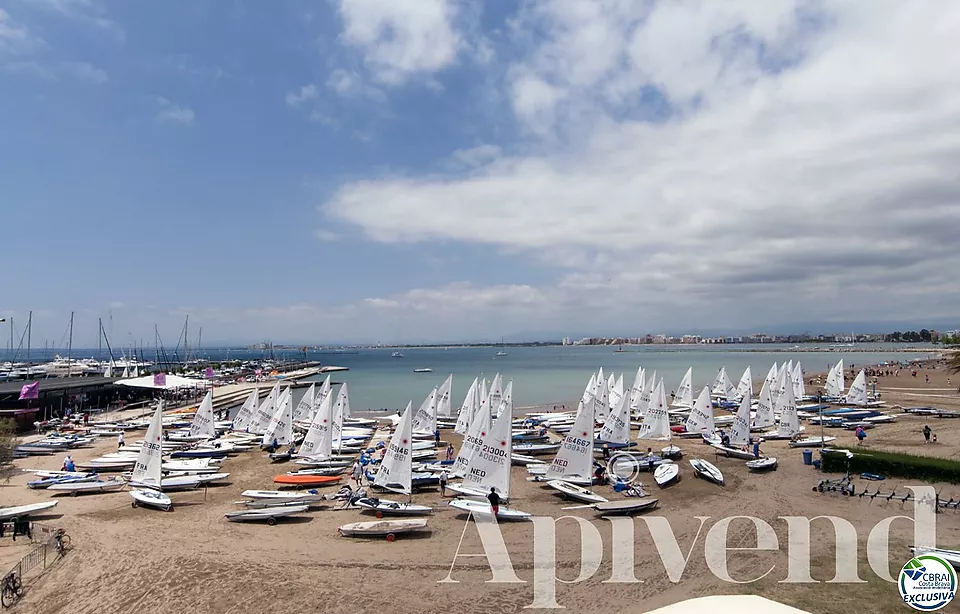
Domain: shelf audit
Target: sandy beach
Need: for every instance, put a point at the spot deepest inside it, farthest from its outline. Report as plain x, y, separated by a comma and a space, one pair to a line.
127, 560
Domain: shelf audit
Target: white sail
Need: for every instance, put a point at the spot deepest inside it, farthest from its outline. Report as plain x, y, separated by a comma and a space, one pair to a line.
506, 401
745, 386
147, 468
799, 390
245, 415
740, 434
496, 393
263, 415
126, 372
319, 439
341, 410
780, 383
835, 383
479, 425
611, 383
575, 457
700, 419
616, 393
305, 408
789, 420
616, 428
203, 425
857, 395
470, 404
601, 400
647, 394
636, 390
483, 390
490, 465
720, 383
771, 378
396, 468
656, 422
684, 394
764, 417
280, 428
590, 390
425, 420
443, 397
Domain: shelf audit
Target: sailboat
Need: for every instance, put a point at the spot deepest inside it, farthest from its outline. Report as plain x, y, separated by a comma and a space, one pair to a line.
396, 473
684, 395
616, 428
478, 434
470, 404
147, 470
656, 422
264, 412
700, 420
746, 384
501, 352
739, 434
306, 407
203, 424
280, 429
857, 395
425, 422
245, 415
574, 461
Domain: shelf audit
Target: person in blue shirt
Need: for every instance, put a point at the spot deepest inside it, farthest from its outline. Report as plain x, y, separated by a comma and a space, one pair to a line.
756, 449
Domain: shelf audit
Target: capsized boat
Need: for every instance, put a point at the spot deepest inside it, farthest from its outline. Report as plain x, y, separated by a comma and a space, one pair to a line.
572, 491
385, 507
268, 514
762, 464
666, 474
707, 471
78, 488
626, 507
26, 510
483, 509
151, 498
383, 528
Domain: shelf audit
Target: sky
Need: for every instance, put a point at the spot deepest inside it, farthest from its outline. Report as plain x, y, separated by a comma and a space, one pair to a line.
442, 170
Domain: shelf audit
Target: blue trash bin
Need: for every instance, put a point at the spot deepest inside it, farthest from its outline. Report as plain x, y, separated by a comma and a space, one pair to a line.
808, 457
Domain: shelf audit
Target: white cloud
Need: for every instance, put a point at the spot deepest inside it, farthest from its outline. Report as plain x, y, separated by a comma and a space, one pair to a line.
306, 93
399, 40
16, 39
170, 112
475, 156
85, 72
349, 84
327, 235
715, 160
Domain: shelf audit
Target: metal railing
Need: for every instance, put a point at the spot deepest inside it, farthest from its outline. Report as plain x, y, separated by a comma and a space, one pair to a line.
42, 555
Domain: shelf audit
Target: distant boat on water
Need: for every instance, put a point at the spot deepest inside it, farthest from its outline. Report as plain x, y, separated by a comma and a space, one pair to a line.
396, 355
423, 370
501, 352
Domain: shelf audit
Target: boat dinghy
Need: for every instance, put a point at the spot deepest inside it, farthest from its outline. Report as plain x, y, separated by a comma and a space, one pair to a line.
762, 464
572, 491
811, 442
483, 509
383, 528
706, 470
666, 474
151, 498
268, 514
98, 486
732, 452
625, 508
385, 507
26, 510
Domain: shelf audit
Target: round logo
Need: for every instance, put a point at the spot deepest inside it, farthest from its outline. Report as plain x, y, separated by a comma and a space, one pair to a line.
927, 583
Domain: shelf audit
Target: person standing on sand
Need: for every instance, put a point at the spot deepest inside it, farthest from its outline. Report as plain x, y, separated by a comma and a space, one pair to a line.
861, 435
756, 449
357, 473
494, 500
443, 483
450, 451
436, 437
119, 441
926, 433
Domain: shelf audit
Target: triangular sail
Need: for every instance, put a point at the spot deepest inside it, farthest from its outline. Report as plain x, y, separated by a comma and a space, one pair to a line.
396, 468
789, 420
700, 419
305, 407
479, 425
245, 414
616, 393
444, 408
340, 411
280, 428
506, 401
857, 395
147, 468
470, 404
740, 434
495, 395
616, 428
590, 390
835, 381
601, 402
720, 383
684, 394
799, 390
771, 378
319, 439
203, 425
425, 420
647, 394
490, 466
263, 415
575, 457
764, 417
636, 390
745, 386
656, 422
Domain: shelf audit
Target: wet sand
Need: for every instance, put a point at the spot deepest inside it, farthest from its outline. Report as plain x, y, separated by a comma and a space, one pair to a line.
128, 560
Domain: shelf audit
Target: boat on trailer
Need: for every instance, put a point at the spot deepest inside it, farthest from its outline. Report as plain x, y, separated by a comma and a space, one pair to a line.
383, 528
268, 514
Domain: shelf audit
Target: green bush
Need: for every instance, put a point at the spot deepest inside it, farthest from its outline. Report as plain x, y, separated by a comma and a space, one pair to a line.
891, 464
8, 441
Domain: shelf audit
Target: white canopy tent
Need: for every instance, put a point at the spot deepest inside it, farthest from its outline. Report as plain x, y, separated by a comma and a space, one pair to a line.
728, 604
172, 382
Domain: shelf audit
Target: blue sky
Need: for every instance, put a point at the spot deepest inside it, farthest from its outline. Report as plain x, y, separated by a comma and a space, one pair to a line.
364, 170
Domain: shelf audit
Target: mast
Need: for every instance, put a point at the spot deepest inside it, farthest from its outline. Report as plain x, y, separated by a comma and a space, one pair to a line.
29, 335
100, 340
186, 341
199, 339
70, 345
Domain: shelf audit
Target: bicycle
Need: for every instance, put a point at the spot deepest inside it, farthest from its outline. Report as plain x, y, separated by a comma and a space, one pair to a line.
12, 589
61, 541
